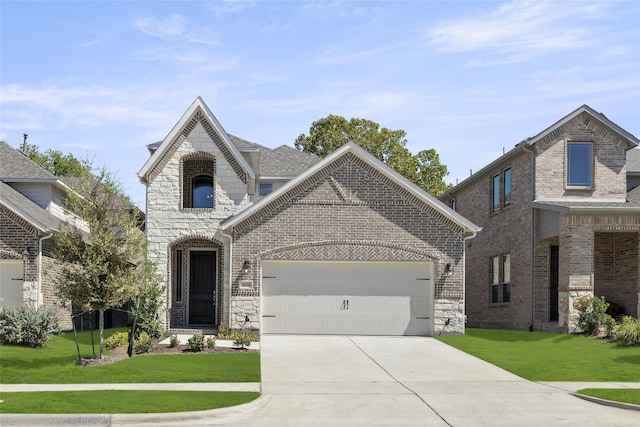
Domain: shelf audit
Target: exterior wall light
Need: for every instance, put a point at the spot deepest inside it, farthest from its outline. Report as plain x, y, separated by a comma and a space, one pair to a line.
246, 265
26, 254
448, 269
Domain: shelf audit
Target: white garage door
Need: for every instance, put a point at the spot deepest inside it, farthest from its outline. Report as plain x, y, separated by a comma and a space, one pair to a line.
354, 298
11, 282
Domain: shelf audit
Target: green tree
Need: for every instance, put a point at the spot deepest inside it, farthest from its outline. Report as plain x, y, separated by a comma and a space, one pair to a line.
57, 163
331, 132
99, 268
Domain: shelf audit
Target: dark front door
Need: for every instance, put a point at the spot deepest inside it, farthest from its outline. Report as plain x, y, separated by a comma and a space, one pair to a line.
202, 285
553, 283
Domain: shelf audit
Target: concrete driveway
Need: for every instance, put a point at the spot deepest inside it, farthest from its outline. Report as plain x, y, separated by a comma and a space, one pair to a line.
406, 381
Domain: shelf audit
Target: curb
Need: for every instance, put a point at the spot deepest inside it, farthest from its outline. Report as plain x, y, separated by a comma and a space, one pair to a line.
221, 414
614, 404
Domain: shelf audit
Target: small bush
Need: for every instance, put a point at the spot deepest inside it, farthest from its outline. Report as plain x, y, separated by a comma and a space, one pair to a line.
241, 339
26, 326
196, 342
628, 333
116, 340
174, 341
591, 314
610, 326
211, 343
143, 344
223, 332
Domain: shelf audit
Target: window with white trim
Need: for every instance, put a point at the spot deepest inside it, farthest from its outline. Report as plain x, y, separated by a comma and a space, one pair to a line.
265, 188
579, 164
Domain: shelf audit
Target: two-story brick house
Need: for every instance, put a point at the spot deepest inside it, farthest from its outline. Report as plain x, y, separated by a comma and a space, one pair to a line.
557, 224
279, 240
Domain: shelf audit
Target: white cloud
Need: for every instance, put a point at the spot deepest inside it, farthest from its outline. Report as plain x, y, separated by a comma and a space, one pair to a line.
518, 29
168, 28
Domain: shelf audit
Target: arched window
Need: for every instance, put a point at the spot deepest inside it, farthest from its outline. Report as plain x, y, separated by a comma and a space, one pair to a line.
198, 172
202, 187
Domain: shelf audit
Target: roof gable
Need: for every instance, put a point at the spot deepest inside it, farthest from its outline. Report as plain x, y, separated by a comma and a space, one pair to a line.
198, 112
332, 190
26, 209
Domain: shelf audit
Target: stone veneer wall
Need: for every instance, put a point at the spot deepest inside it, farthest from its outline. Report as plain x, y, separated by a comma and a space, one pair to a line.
348, 211
167, 223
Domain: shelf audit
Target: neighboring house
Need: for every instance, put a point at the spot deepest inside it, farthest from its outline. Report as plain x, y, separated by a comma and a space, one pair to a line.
557, 225
280, 241
31, 211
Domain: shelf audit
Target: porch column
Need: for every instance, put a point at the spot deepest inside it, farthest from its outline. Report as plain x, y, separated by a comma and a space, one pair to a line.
575, 279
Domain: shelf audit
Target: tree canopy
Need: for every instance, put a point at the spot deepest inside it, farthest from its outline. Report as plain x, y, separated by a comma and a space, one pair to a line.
58, 163
330, 133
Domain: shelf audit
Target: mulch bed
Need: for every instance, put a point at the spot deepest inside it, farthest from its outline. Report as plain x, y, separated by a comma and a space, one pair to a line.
120, 353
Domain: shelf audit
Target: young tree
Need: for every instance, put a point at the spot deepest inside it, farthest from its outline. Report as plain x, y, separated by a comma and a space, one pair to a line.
99, 267
330, 133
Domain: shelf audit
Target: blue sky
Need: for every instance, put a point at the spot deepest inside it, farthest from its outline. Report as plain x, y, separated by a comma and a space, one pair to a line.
102, 79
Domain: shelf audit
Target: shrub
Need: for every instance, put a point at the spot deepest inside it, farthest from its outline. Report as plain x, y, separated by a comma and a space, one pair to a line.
147, 309
591, 314
610, 326
628, 333
26, 326
143, 343
211, 343
223, 332
116, 340
174, 341
241, 339
196, 342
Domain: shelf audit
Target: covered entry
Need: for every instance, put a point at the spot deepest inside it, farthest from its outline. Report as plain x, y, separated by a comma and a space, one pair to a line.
346, 297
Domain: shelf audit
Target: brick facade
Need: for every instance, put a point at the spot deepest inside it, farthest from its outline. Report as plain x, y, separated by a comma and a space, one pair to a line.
598, 252
348, 211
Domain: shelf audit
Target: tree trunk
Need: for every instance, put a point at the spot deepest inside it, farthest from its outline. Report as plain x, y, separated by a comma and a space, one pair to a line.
101, 325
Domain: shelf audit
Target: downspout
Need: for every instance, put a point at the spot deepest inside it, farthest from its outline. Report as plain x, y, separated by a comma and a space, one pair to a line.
230, 237
39, 298
533, 232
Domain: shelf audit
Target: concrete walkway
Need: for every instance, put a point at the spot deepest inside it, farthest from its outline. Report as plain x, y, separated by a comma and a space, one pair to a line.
373, 381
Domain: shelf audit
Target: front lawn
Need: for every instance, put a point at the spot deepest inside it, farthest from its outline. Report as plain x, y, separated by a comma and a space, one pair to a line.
626, 395
55, 364
540, 356
119, 401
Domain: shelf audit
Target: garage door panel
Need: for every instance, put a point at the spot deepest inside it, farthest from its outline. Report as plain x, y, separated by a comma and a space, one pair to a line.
362, 298
11, 283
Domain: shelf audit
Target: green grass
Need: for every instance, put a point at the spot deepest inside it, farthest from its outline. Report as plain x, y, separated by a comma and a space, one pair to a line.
119, 401
550, 357
55, 364
625, 395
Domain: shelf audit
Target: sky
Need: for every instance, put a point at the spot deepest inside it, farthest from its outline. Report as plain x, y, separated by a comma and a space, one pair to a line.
102, 79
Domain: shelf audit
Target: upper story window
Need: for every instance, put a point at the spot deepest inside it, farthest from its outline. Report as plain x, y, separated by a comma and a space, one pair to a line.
198, 184
579, 164
506, 187
202, 187
453, 204
495, 193
501, 190
265, 188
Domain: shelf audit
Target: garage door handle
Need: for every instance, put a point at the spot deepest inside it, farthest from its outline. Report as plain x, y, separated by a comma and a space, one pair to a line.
268, 315
422, 317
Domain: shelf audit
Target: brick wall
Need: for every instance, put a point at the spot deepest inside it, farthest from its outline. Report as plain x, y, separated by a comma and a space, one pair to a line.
349, 211
507, 231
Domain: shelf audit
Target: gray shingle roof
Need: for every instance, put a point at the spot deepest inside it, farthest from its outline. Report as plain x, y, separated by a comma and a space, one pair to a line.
21, 205
14, 165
